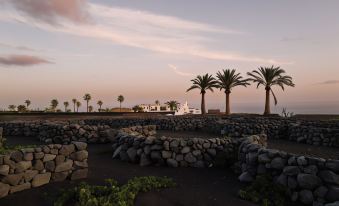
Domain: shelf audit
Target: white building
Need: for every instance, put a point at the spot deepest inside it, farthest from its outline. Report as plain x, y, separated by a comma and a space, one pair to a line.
182, 109
154, 108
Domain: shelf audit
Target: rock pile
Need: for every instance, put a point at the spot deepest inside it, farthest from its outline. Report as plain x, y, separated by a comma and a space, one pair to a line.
309, 180
32, 167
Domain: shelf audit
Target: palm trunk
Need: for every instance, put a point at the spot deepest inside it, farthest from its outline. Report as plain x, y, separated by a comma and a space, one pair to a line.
267, 102
203, 109
73, 107
228, 106
77, 109
120, 106
87, 106
99, 108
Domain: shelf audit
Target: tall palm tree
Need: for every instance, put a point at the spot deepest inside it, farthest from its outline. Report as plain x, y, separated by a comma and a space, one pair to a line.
66, 104
27, 102
100, 103
74, 103
78, 104
269, 77
173, 105
12, 107
227, 79
54, 104
120, 100
87, 98
203, 83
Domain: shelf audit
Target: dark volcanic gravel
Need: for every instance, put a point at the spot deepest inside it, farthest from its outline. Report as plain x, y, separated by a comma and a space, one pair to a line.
204, 187
304, 149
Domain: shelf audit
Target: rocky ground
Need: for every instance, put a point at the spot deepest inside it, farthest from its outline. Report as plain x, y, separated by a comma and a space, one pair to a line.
187, 134
195, 186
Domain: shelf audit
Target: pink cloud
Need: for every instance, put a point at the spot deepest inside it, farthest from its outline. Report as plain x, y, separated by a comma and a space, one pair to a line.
22, 60
50, 10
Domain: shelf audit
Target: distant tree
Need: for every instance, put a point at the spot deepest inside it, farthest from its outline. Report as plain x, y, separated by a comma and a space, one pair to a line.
27, 102
87, 97
74, 103
100, 103
137, 108
22, 108
78, 104
90, 108
54, 104
120, 100
203, 83
12, 107
227, 80
269, 77
157, 102
173, 105
66, 104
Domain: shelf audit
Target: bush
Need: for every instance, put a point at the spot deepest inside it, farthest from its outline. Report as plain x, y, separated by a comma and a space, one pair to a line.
264, 191
111, 194
7, 149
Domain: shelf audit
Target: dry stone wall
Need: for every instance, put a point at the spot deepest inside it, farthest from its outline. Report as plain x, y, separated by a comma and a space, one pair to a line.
138, 145
325, 133
310, 180
33, 167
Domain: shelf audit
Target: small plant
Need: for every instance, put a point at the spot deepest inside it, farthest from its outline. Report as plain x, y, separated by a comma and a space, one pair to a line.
7, 149
286, 114
111, 194
263, 191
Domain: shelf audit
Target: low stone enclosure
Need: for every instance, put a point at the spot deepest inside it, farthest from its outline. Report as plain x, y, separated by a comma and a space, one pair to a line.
33, 167
242, 142
325, 133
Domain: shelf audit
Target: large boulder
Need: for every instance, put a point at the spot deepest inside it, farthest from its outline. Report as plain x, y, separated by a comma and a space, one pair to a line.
41, 179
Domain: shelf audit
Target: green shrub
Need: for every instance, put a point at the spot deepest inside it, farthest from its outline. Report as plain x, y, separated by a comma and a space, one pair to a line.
111, 194
7, 149
265, 192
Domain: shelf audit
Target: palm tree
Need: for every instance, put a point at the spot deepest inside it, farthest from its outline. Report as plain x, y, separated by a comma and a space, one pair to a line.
268, 77
137, 108
203, 83
78, 104
66, 104
227, 79
54, 104
172, 104
87, 98
12, 107
100, 103
157, 102
120, 100
90, 108
22, 108
74, 103
27, 102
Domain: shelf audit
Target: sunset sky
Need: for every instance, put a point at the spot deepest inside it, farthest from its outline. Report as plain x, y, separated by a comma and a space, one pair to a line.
150, 49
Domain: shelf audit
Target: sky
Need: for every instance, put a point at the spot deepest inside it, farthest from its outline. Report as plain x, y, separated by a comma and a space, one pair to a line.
149, 50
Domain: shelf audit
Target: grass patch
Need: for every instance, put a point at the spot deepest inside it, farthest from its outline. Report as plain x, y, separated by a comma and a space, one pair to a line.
4, 149
264, 192
111, 194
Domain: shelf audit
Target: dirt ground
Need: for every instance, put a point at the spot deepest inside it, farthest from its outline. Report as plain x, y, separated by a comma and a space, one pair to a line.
198, 187
304, 149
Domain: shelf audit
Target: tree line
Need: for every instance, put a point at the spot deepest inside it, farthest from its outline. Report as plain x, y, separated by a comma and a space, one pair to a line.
76, 105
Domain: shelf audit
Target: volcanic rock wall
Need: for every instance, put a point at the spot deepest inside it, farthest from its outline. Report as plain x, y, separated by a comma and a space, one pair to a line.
33, 167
